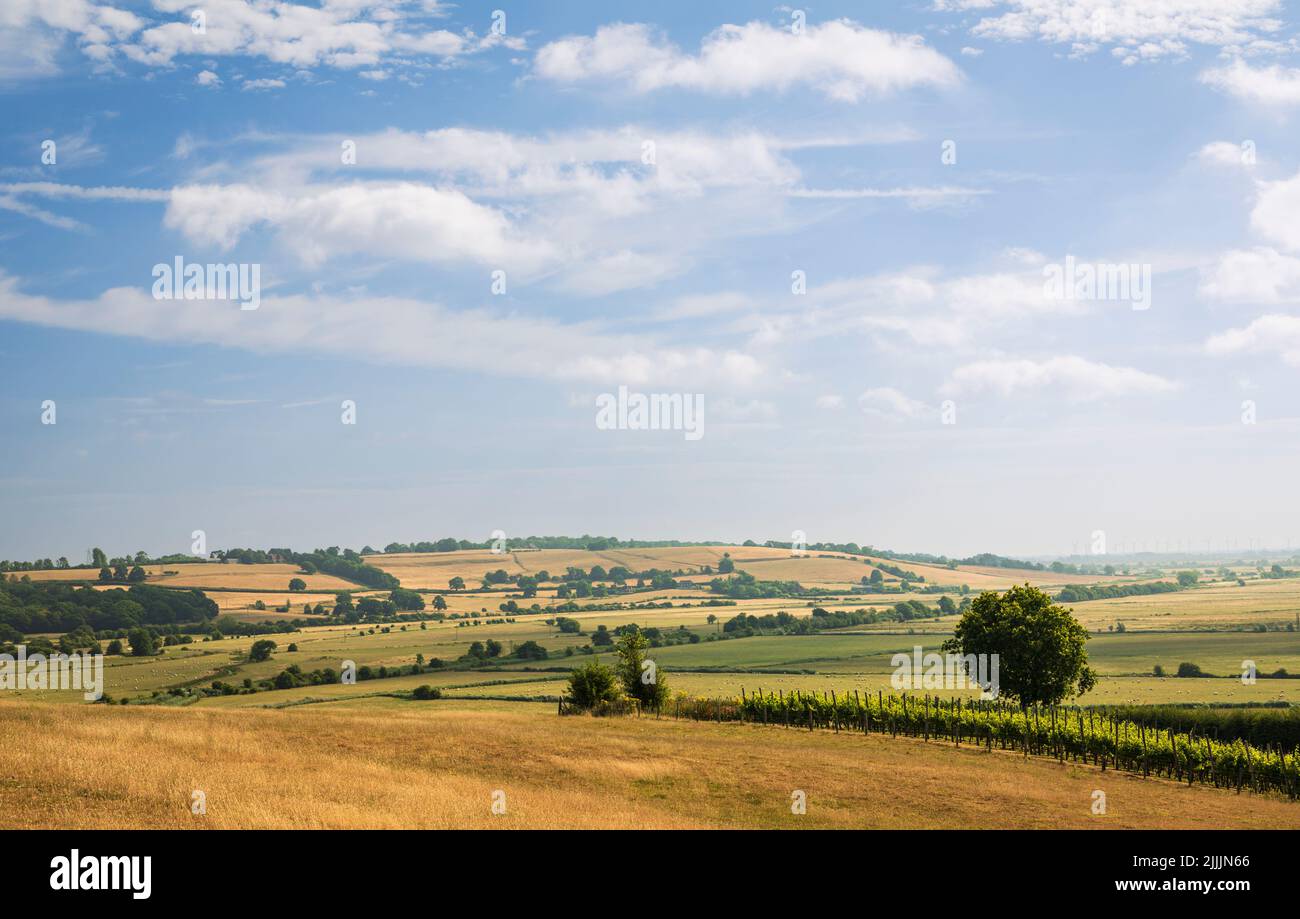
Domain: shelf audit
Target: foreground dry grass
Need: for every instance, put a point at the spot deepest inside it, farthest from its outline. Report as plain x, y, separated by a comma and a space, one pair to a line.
387, 764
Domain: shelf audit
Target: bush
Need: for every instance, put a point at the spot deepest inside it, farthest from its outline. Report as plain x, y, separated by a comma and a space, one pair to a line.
426, 692
261, 650
592, 684
1187, 669
531, 651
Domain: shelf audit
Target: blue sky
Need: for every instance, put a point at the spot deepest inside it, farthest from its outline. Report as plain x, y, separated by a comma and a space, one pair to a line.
649, 177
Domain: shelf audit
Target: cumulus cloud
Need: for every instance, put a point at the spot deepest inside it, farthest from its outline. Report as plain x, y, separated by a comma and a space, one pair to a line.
1077, 379
391, 330
1135, 30
1274, 215
601, 196
585, 208
34, 31
254, 85
411, 221
1226, 153
1270, 334
1273, 85
841, 59
1259, 275
335, 33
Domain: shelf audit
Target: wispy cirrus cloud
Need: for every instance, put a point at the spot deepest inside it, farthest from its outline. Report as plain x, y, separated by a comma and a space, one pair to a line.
1075, 378
394, 330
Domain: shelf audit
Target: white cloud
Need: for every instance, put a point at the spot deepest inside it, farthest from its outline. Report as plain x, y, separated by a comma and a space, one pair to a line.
253, 85
591, 192
830, 401
887, 402
1007, 295
1077, 379
1274, 85
32, 32
1274, 216
1260, 275
336, 33
27, 53
841, 59
1273, 333
406, 220
390, 330
918, 195
1135, 30
84, 193
583, 207
207, 78
18, 206
1226, 153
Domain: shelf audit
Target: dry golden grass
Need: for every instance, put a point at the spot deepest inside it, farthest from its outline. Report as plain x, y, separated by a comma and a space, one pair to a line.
211, 574
817, 569
383, 763
241, 603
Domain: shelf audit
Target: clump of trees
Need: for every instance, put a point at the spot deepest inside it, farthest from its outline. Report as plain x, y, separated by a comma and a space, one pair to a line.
28, 607
634, 678
1081, 593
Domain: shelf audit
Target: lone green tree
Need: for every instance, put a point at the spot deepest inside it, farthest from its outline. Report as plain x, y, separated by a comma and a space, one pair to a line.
142, 642
639, 675
1040, 645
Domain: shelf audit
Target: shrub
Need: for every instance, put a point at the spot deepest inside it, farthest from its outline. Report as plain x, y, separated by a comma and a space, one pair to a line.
426, 692
591, 684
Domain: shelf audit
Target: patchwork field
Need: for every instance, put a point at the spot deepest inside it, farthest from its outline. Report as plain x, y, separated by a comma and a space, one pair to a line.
816, 569
366, 754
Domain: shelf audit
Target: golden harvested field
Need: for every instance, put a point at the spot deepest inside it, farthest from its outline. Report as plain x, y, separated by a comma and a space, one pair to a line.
815, 569
386, 763
1208, 606
240, 605
272, 576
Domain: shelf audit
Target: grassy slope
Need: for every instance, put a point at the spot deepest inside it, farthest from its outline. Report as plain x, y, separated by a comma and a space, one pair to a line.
385, 763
